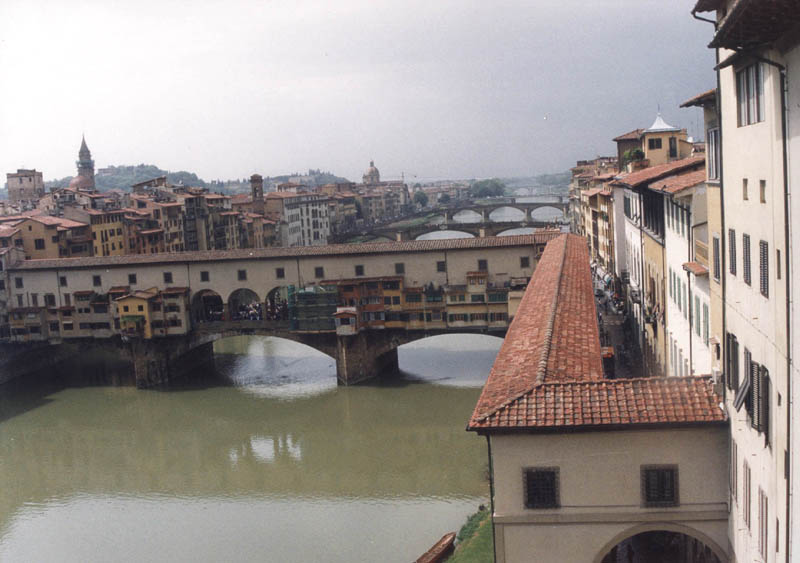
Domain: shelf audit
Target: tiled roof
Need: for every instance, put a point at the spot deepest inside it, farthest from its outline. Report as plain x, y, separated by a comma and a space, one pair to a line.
592, 192
554, 335
647, 175
548, 375
630, 135
700, 99
610, 403
291, 252
679, 182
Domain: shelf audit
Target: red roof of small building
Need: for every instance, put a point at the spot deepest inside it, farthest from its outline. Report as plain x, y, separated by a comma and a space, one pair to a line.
647, 175
630, 135
701, 99
548, 375
679, 182
696, 268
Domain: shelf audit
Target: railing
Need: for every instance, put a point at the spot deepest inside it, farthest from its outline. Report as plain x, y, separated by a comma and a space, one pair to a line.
701, 252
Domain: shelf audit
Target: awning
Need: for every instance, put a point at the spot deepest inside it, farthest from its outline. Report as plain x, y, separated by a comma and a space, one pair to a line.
741, 394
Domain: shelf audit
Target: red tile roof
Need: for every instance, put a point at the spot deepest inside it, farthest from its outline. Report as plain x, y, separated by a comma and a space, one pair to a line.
610, 403
629, 136
592, 192
701, 99
548, 375
554, 335
696, 268
291, 252
679, 182
647, 175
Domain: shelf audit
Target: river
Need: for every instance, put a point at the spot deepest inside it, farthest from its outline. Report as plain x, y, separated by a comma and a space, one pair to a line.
261, 458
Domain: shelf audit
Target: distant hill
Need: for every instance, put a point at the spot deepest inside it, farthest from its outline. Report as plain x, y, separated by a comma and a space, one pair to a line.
123, 177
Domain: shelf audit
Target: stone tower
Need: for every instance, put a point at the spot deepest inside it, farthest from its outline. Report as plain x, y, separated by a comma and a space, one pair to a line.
85, 178
257, 190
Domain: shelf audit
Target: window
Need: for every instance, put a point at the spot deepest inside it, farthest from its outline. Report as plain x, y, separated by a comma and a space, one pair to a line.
441, 266
280, 273
34, 299
96, 281
204, 277
125, 308
746, 258
696, 316
167, 277
673, 147
140, 307
395, 300
763, 252
413, 298
477, 298
659, 485
713, 154
746, 493
744, 189
762, 191
38, 244
750, 94
541, 487
319, 272
241, 275
399, 268
19, 300
524, 261
483, 265
778, 263
131, 279
18, 283
653, 144
359, 270
67, 298
732, 362
732, 251
716, 258
705, 323
763, 523
734, 468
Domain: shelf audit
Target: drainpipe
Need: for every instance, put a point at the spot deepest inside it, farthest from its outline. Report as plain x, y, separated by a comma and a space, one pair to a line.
691, 316
642, 335
491, 495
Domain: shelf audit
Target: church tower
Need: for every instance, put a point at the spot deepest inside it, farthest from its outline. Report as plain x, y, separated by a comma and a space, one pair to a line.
85, 178
257, 189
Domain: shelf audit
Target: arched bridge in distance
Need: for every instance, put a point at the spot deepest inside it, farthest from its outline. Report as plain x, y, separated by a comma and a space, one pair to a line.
354, 302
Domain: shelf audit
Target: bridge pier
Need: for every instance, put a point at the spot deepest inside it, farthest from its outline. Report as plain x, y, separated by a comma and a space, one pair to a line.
365, 355
158, 361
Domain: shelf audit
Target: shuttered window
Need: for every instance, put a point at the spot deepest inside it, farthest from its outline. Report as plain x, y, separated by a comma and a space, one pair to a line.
696, 316
659, 485
705, 323
732, 251
763, 251
717, 258
732, 353
746, 259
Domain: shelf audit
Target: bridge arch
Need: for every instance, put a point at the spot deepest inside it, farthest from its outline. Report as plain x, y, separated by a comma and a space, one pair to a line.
545, 211
494, 214
207, 306
713, 554
466, 216
456, 232
276, 304
244, 303
517, 231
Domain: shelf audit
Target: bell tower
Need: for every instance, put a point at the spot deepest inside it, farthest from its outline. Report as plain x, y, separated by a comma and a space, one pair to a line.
257, 190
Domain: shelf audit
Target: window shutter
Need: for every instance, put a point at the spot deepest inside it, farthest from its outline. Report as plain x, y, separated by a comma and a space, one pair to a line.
763, 250
746, 259
754, 399
732, 250
764, 389
716, 252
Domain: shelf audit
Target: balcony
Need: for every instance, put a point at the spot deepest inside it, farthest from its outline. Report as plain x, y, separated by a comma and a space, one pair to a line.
701, 252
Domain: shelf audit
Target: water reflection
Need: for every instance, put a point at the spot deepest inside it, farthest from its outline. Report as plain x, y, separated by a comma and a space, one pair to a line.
242, 461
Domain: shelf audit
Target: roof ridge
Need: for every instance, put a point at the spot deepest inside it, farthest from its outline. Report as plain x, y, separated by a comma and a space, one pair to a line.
542, 365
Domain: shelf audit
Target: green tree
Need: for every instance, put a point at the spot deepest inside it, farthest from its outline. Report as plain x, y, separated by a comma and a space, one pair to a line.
421, 198
488, 188
444, 198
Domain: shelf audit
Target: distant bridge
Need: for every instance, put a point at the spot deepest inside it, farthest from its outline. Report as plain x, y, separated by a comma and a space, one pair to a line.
478, 230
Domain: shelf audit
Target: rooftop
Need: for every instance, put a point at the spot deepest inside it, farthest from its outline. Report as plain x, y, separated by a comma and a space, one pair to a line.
647, 175
630, 135
701, 99
750, 24
548, 375
679, 182
661, 126
290, 252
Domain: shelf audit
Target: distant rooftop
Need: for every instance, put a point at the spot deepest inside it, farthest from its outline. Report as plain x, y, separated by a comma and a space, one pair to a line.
661, 126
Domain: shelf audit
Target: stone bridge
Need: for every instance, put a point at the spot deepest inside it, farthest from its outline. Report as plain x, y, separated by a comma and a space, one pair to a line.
186, 301
485, 209
478, 230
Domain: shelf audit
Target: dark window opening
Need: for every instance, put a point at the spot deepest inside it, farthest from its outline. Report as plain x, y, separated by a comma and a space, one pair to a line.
660, 486
541, 487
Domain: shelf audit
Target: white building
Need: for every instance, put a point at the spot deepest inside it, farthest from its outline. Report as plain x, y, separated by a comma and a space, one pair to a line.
305, 215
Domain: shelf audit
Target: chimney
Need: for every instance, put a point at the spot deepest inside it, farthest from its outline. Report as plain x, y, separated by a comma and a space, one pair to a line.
257, 191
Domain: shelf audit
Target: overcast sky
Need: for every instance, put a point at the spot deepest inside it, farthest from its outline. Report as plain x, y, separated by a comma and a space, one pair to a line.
434, 89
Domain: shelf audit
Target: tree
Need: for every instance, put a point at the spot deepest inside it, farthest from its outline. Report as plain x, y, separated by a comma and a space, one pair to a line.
488, 188
421, 198
444, 198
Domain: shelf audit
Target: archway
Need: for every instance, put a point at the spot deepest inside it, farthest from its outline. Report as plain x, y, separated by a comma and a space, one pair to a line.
661, 543
451, 359
207, 306
437, 220
244, 304
467, 216
547, 213
506, 214
444, 234
276, 305
517, 231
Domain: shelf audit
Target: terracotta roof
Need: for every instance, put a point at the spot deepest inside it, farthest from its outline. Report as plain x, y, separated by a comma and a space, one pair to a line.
707, 5
7, 231
696, 268
647, 175
554, 335
630, 135
291, 252
120, 289
679, 182
175, 290
750, 24
603, 177
700, 99
610, 403
592, 192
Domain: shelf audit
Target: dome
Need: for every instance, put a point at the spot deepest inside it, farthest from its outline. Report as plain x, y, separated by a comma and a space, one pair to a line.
81, 183
372, 175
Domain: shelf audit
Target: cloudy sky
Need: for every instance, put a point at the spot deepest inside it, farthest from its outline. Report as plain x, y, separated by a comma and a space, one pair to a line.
432, 89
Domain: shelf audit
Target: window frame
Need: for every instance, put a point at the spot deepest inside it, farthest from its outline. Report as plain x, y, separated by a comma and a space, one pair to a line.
527, 472
645, 470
